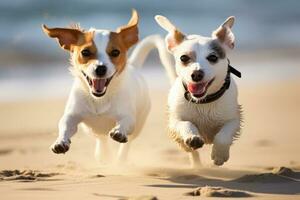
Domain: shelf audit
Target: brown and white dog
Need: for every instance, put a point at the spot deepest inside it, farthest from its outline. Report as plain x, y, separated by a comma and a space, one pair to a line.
202, 103
109, 94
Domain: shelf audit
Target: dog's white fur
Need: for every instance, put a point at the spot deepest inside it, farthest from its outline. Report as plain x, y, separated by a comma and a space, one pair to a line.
217, 122
124, 107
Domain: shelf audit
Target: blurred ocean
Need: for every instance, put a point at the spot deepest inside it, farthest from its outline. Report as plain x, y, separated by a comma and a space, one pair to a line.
32, 65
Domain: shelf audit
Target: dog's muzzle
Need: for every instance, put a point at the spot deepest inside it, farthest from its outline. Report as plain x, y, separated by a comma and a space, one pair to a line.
198, 90
98, 86
210, 97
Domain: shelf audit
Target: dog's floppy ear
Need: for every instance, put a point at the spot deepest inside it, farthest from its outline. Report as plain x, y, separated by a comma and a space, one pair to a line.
130, 33
66, 36
224, 33
174, 37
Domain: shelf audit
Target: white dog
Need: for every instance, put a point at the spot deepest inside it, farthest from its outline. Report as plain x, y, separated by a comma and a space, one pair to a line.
202, 103
109, 94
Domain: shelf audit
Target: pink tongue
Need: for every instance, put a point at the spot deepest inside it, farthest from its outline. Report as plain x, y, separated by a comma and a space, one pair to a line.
99, 84
196, 88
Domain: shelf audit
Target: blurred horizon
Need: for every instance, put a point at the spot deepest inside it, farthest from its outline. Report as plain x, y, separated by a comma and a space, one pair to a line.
259, 24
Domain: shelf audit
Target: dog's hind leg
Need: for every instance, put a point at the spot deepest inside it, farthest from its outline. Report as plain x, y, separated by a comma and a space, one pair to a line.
223, 141
195, 159
102, 151
123, 153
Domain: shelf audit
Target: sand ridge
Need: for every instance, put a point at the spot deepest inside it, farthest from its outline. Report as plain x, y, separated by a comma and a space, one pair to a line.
217, 192
25, 175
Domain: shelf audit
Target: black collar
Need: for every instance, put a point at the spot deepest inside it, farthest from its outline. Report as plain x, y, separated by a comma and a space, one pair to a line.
213, 97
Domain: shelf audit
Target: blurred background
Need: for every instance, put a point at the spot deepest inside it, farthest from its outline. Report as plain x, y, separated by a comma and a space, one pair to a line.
35, 81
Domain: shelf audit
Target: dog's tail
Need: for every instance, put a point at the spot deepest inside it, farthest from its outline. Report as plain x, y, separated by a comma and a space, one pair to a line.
143, 48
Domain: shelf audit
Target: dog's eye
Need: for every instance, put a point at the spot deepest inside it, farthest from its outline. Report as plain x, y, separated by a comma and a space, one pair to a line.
185, 58
86, 53
114, 53
212, 58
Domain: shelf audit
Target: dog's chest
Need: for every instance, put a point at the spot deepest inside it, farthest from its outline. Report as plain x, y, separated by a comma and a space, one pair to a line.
100, 116
99, 124
207, 118
97, 108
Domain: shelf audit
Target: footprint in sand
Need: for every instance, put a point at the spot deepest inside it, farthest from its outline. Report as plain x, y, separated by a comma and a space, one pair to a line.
97, 176
264, 143
208, 191
24, 176
5, 151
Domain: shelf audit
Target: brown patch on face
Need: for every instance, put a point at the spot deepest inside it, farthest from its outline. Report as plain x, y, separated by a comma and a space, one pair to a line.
85, 43
91, 47
116, 43
75, 40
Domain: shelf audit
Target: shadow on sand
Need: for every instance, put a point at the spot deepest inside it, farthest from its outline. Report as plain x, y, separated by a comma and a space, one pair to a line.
279, 181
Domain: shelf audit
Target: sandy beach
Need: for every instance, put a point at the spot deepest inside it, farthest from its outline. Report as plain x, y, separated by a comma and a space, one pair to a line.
157, 168
35, 82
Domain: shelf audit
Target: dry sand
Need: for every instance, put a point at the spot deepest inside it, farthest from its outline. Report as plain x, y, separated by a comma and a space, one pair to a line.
157, 169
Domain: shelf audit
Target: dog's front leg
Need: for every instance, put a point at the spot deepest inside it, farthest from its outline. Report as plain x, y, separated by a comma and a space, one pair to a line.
223, 141
188, 132
67, 128
124, 126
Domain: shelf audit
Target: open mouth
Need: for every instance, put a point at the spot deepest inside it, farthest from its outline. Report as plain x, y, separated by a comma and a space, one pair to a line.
198, 90
98, 85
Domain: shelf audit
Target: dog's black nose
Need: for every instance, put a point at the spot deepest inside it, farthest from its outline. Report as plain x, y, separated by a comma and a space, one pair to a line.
100, 70
197, 75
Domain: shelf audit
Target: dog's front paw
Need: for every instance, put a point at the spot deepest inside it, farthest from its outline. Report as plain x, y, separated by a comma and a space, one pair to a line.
220, 154
118, 136
194, 142
60, 146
